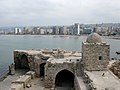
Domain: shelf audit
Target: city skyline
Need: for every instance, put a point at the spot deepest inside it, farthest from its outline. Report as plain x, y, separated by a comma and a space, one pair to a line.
58, 12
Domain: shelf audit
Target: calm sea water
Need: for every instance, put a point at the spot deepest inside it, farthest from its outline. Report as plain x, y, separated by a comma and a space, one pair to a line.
8, 43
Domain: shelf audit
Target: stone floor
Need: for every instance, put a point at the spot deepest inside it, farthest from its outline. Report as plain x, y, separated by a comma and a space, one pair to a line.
63, 88
107, 81
6, 83
37, 84
104, 79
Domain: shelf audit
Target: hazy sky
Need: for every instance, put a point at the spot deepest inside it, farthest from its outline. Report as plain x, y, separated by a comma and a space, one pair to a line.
58, 12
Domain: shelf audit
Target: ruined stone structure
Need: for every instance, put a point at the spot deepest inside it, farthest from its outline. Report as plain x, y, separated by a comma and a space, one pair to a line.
49, 64
95, 53
115, 68
59, 68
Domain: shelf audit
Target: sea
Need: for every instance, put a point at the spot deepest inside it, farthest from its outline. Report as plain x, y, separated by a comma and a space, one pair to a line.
9, 43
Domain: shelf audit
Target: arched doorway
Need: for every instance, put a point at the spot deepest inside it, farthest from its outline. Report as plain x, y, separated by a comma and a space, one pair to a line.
64, 79
42, 70
24, 62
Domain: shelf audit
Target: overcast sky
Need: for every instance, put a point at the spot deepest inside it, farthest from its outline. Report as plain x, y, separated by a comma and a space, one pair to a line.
58, 12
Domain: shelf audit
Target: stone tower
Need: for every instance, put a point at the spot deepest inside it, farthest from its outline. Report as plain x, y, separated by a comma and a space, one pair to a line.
95, 53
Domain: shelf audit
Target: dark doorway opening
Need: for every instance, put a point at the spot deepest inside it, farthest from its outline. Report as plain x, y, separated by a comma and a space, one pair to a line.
24, 62
65, 79
42, 70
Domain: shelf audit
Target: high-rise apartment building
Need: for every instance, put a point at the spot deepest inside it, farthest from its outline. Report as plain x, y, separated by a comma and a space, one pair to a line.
76, 29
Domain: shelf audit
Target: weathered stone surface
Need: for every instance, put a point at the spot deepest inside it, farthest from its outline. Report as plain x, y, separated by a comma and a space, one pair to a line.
28, 85
118, 74
12, 69
25, 79
48, 64
16, 87
31, 73
53, 68
94, 38
115, 68
95, 54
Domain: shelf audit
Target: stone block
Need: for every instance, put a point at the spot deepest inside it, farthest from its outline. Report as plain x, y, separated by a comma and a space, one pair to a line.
25, 79
31, 73
115, 71
12, 69
16, 87
118, 74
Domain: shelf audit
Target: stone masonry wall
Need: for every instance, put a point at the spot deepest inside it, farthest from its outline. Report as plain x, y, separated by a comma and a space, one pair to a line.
33, 63
51, 70
91, 54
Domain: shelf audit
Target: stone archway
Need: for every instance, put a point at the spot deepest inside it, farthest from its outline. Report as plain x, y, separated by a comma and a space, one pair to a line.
24, 62
64, 79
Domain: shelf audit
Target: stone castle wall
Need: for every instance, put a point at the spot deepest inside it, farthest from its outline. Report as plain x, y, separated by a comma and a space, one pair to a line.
33, 63
51, 70
95, 56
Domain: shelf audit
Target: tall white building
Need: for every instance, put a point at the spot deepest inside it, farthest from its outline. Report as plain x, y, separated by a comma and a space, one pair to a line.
77, 29
17, 31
